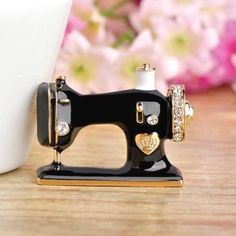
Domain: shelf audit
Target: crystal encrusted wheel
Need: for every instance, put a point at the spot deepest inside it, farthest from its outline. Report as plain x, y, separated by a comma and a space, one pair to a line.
177, 95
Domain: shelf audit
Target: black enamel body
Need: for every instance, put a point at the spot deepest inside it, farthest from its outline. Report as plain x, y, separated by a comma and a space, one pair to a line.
117, 108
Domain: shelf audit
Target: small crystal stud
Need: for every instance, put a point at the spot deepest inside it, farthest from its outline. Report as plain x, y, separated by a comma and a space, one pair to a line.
62, 128
152, 120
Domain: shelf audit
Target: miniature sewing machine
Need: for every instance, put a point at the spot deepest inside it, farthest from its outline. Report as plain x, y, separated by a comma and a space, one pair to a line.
146, 116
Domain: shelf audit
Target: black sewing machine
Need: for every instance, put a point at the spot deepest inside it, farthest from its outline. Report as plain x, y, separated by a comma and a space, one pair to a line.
146, 116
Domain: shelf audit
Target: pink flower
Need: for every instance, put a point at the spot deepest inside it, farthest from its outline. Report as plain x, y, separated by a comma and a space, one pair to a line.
74, 24
211, 13
89, 69
86, 18
215, 13
187, 45
149, 11
224, 69
117, 10
224, 56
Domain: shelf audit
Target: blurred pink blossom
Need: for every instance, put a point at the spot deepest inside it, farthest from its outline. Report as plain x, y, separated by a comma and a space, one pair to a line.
215, 13
88, 68
86, 18
211, 13
224, 69
187, 44
117, 24
148, 12
74, 24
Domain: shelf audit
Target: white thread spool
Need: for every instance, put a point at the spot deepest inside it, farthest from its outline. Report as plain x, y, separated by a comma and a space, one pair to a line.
146, 77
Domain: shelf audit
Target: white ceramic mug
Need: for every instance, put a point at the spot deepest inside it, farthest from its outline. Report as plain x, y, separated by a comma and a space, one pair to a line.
31, 32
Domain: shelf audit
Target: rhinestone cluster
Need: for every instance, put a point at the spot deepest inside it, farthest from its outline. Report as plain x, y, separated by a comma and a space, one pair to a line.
178, 112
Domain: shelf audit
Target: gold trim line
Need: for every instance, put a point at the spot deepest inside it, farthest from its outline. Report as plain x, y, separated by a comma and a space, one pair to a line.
106, 183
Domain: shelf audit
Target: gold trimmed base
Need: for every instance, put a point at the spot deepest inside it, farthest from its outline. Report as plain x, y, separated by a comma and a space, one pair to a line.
111, 183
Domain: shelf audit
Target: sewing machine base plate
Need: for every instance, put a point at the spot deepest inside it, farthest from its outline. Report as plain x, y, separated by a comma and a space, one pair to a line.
109, 183
78, 176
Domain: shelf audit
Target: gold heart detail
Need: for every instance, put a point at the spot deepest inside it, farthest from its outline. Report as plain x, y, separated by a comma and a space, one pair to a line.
147, 143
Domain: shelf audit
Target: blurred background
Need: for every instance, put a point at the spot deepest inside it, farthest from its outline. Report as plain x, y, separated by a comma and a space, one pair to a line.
192, 42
